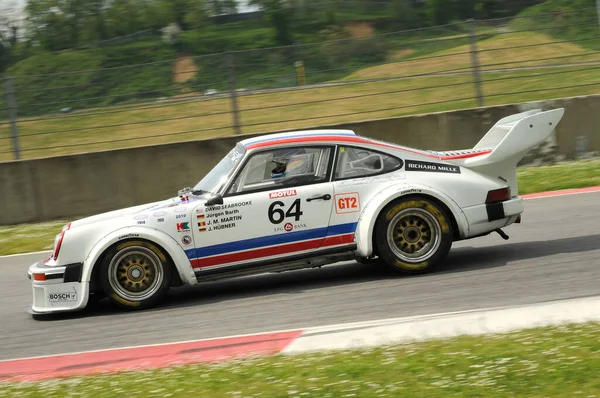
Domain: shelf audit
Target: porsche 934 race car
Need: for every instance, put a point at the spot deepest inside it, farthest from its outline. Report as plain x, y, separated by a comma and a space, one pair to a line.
295, 200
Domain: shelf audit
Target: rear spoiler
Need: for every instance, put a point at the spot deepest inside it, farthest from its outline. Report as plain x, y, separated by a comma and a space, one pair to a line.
506, 143
513, 136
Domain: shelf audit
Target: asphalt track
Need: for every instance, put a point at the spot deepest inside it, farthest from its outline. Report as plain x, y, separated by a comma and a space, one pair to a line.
553, 255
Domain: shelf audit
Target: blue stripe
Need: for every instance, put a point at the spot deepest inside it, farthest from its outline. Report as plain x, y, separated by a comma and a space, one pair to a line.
252, 142
272, 240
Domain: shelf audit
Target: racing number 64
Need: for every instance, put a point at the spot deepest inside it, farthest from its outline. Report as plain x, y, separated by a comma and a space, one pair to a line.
277, 215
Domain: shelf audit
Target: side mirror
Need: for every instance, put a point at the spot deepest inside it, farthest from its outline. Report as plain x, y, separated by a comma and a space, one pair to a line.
214, 200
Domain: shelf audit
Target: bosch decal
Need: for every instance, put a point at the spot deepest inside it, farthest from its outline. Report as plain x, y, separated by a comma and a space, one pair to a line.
417, 165
54, 297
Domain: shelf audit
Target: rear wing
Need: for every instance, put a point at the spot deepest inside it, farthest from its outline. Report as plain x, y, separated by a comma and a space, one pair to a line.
507, 142
513, 136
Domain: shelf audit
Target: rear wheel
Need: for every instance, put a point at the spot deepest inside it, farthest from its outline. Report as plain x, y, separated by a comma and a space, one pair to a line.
413, 235
135, 275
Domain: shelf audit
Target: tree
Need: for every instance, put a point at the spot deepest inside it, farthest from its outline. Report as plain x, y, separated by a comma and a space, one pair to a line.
278, 15
10, 21
439, 12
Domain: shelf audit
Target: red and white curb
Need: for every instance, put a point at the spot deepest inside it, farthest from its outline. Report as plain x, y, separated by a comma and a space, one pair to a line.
145, 357
333, 337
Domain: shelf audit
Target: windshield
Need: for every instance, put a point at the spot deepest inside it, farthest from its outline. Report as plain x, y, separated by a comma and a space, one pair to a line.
218, 176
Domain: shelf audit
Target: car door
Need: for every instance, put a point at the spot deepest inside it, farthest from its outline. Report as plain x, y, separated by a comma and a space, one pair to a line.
270, 212
359, 174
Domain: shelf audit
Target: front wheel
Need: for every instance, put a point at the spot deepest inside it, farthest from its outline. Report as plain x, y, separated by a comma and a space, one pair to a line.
413, 235
135, 275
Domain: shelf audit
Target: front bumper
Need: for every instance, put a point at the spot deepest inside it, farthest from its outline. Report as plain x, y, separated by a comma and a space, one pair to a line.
60, 290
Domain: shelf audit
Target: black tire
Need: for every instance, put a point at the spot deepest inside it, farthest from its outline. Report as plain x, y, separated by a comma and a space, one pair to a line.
413, 235
135, 274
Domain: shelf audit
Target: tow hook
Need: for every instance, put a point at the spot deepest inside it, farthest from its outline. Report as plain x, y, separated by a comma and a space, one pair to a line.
502, 234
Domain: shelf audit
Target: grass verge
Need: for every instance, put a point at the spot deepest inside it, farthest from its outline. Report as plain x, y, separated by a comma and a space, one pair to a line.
577, 174
545, 362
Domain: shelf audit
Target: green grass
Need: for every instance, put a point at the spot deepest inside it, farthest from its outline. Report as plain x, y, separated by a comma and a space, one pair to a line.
578, 174
27, 238
567, 175
545, 362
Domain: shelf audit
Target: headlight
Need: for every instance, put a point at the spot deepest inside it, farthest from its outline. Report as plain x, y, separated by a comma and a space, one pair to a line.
58, 242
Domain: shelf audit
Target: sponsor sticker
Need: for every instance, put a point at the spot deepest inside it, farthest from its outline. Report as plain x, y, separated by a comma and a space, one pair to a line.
289, 227
129, 236
347, 203
418, 165
282, 194
62, 296
186, 240
183, 227
229, 206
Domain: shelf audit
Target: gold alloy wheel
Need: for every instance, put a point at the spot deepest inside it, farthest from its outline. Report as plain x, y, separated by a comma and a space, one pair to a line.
135, 273
414, 235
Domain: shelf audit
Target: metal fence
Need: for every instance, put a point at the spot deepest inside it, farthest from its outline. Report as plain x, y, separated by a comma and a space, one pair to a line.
464, 64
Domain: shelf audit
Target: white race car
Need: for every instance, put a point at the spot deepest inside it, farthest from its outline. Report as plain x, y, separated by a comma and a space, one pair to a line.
295, 200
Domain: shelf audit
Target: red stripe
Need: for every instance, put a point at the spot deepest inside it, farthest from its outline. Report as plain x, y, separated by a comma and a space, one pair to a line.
465, 155
295, 140
145, 357
272, 251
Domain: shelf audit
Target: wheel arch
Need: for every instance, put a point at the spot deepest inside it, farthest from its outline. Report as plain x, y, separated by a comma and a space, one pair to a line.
367, 221
183, 271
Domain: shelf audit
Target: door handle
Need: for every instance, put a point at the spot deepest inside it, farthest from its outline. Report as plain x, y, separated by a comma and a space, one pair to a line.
324, 197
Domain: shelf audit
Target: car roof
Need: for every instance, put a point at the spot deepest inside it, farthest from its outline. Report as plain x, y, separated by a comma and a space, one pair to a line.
323, 136
297, 137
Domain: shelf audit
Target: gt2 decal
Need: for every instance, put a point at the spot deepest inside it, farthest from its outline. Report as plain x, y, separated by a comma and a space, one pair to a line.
417, 165
277, 215
347, 203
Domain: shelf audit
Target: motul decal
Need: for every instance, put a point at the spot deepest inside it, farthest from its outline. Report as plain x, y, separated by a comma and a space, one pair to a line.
282, 194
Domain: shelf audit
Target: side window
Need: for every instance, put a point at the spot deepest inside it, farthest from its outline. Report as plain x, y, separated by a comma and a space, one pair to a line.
283, 167
358, 162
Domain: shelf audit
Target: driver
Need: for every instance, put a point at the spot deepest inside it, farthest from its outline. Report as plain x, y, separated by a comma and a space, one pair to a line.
288, 162
280, 168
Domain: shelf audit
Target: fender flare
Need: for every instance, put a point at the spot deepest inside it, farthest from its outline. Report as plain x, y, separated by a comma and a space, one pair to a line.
366, 222
181, 262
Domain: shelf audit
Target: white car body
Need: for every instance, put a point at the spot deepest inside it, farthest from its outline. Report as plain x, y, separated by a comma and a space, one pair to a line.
245, 235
